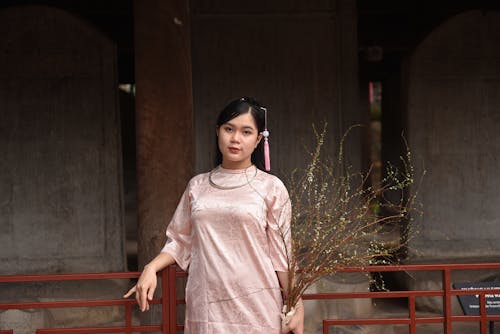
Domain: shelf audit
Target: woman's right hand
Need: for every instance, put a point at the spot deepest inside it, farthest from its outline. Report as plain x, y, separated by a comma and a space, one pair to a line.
144, 289
146, 286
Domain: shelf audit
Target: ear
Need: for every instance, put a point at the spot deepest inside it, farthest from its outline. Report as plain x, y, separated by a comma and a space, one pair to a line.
259, 138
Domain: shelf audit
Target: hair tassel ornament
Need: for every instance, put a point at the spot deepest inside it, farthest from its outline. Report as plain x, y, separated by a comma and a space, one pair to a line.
265, 134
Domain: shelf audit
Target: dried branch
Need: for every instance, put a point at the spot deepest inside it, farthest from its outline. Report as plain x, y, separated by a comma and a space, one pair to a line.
334, 224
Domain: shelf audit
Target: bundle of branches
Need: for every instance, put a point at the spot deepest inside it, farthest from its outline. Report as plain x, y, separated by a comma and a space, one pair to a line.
334, 224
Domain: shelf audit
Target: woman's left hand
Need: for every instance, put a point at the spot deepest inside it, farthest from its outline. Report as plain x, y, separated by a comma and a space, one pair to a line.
296, 324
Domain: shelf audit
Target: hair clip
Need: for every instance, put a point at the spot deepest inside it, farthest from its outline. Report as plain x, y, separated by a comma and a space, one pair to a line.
265, 134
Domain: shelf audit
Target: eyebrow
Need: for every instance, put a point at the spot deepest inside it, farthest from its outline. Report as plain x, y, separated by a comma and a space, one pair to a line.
244, 126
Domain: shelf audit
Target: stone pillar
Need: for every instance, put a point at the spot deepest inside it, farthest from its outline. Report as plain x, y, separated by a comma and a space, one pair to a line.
164, 116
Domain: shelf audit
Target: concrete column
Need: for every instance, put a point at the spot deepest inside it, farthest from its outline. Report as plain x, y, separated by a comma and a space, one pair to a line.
164, 110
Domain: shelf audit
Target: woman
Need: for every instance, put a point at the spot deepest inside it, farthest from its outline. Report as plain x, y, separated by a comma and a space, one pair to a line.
230, 231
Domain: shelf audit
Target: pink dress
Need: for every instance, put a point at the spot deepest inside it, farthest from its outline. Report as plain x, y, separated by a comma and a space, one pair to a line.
231, 243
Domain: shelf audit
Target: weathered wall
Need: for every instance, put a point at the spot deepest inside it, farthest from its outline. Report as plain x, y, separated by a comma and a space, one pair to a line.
454, 131
298, 58
60, 171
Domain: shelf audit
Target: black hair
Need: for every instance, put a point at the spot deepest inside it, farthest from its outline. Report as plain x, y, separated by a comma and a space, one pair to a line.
239, 107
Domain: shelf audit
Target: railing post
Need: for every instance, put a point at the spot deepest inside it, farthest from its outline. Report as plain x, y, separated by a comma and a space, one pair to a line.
172, 298
412, 315
165, 302
128, 318
482, 312
447, 301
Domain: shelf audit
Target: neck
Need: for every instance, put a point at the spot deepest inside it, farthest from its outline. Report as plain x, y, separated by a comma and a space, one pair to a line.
236, 164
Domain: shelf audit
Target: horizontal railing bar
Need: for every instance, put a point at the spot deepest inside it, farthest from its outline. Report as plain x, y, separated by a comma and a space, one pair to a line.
386, 294
365, 321
72, 303
404, 320
85, 330
476, 291
429, 320
471, 318
382, 321
67, 277
396, 294
424, 267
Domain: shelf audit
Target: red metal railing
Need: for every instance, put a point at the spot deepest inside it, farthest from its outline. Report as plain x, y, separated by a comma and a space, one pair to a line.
127, 328
412, 320
169, 302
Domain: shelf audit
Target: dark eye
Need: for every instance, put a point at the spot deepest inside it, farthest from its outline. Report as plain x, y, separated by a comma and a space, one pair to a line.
228, 128
247, 132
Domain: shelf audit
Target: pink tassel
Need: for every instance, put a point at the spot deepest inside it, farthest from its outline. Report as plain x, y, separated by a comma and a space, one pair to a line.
267, 160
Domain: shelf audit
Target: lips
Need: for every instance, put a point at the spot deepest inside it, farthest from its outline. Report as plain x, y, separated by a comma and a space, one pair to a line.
234, 149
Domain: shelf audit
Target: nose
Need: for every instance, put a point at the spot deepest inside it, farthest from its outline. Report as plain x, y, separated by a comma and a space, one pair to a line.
235, 137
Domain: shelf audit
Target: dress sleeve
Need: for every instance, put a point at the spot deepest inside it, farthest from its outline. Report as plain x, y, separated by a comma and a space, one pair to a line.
279, 227
179, 235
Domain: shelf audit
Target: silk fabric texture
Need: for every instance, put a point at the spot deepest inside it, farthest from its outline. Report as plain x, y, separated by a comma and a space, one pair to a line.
232, 242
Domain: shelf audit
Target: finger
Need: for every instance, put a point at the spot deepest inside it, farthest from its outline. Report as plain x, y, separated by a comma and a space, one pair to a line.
151, 293
288, 330
138, 299
143, 300
129, 293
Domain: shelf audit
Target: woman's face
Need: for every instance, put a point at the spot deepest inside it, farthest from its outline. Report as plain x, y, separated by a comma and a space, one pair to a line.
237, 139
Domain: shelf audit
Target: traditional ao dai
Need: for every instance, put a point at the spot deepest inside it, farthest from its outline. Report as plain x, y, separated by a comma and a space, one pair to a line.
231, 243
